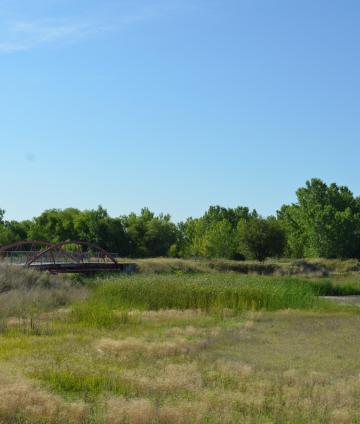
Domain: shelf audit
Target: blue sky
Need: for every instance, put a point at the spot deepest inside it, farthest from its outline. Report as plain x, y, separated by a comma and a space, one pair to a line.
175, 104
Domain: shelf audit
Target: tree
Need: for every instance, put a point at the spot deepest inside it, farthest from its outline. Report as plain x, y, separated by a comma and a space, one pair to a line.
55, 225
233, 215
214, 234
290, 218
220, 241
92, 226
261, 238
12, 231
150, 235
325, 221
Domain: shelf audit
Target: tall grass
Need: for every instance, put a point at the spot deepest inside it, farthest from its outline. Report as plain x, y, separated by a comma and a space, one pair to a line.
25, 293
206, 292
329, 288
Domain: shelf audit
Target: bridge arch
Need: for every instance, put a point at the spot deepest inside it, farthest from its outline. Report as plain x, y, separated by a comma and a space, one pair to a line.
57, 251
25, 243
23, 251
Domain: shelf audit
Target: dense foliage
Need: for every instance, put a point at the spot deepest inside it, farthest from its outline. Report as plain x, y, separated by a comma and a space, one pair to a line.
324, 222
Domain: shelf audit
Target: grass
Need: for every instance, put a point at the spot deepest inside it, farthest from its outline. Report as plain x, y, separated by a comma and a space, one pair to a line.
181, 347
310, 267
283, 267
25, 293
210, 293
314, 267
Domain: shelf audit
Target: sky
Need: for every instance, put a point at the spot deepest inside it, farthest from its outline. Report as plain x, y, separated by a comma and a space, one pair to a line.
175, 105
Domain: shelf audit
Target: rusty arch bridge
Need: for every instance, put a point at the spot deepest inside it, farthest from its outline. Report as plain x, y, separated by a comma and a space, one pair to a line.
64, 257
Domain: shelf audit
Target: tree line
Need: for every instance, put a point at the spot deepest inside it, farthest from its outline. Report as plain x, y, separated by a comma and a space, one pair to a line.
324, 222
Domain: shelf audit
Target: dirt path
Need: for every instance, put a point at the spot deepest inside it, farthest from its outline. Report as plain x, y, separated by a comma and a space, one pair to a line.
344, 300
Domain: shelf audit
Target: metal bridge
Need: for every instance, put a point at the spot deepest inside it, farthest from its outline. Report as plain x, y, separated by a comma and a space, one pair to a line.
64, 257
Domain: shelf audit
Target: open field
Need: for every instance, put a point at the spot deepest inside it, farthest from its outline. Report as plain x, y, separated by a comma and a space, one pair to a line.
177, 348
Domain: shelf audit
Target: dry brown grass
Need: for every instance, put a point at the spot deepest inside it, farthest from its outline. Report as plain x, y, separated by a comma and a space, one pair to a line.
18, 397
130, 411
234, 369
165, 314
25, 292
183, 412
193, 332
135, 346
143, 411
168, 379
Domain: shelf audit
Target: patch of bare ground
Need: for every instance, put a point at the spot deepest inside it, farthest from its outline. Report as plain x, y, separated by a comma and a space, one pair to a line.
344, 300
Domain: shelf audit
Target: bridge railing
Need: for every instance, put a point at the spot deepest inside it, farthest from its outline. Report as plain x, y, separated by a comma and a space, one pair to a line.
23, 257
18, 257
36, 253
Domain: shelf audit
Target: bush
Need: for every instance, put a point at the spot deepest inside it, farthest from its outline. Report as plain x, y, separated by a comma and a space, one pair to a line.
25, 292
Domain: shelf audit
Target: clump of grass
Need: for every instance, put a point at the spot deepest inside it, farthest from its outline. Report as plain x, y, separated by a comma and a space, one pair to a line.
168, 379
143, 411
82, 383
127, 299
19, 278
329, 288
188, 331
20, 399
166, 314
137, 346
206, 292
183, 412
25, 293
94, 313
135, 411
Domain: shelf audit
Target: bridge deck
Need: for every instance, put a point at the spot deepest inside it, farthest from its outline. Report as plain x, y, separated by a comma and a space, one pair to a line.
64, 268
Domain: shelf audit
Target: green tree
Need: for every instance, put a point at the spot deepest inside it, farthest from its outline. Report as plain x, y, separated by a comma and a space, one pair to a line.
93, 226
233, 215
261, 238
214, 234
219, 241
55, 225
12, 231
325, 220
150, 235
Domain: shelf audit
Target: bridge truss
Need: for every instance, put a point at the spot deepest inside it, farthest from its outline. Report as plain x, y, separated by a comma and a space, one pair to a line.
64, 257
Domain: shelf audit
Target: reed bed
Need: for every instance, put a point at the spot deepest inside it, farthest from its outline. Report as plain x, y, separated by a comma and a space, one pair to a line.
208, 292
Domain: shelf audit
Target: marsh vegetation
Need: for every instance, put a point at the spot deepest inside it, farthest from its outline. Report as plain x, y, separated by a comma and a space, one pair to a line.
176, 347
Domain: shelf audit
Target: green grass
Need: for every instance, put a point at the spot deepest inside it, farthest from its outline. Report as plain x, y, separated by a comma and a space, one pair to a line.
334, 287
209, 293
181, 347
72, 382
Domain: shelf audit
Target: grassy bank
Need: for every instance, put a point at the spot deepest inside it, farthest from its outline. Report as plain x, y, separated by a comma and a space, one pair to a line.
313, 267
